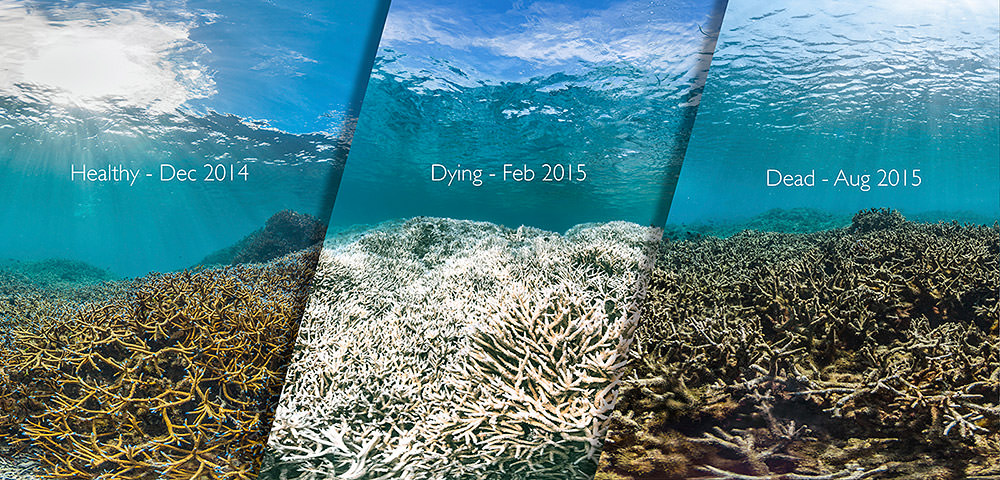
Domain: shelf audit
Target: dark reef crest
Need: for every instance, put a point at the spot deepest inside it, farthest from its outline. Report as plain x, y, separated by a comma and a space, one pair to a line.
285, 232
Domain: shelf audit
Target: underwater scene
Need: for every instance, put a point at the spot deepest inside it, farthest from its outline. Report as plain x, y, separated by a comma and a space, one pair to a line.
167, 172
547, 114
824, 301
473, 307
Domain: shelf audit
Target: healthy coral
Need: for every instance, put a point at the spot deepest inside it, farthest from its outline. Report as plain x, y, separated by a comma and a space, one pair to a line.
170, 376
439, 348
285, 232
55, 272
868, 351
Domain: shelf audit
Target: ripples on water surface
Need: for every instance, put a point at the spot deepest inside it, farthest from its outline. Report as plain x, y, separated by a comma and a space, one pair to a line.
139, 84
607, 85
851, 85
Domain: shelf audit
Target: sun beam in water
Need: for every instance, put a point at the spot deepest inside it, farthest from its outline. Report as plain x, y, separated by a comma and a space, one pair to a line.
98, 58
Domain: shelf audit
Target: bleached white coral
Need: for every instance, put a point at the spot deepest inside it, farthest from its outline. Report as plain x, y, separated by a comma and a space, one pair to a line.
439, 348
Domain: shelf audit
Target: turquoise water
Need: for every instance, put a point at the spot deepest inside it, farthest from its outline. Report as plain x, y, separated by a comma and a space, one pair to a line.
610, 86
601, 92
259, 91
816, 88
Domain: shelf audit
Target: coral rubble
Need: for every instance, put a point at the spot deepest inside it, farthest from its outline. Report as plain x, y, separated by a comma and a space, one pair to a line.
869, 351
166, 376
439, 348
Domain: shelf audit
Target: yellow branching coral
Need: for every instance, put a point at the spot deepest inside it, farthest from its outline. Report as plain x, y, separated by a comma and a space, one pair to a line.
175, 377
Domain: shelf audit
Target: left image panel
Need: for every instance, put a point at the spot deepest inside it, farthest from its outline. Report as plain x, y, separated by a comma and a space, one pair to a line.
166, 172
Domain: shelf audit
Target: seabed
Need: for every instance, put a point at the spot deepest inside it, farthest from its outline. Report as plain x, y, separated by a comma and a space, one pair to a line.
868, 351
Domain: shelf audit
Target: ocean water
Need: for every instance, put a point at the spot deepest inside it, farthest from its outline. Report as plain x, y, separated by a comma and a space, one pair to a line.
485, 128
587, 104
821, 88
251, 98
771, 326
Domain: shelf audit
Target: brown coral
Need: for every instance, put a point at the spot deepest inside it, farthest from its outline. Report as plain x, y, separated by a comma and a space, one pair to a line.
850, 353
285, 232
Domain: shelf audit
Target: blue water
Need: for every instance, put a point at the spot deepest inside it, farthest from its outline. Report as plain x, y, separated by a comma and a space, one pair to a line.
264, 85
855, 85
610, 85
603, 87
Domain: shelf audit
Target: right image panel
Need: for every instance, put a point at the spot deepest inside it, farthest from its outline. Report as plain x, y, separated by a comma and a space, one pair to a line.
824, 301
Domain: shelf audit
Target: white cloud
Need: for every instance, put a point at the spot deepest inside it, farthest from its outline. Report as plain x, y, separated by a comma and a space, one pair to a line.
90, 57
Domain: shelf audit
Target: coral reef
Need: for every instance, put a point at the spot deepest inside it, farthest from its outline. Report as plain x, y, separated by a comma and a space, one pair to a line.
166, 376
796, 220
17, 465
438, 348
875, 219
791, 220
55, 272
285, 232
864, 352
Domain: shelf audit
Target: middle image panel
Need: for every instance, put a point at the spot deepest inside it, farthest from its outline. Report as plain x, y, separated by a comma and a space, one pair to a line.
475, 300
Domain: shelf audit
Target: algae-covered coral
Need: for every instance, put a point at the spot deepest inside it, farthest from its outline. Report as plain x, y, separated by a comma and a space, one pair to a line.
439, 348
172, 375
864, 352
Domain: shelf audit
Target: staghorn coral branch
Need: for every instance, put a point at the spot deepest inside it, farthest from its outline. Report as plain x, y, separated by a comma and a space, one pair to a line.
856, 473
478, 352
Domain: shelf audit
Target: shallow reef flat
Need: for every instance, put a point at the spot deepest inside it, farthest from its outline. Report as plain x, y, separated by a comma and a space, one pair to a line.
166, 376
57, 274
434, 348
791, 220
869, 351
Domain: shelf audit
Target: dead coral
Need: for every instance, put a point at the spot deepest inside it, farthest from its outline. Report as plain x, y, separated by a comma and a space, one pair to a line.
875, 219
438, 348
174, 377
869, 351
